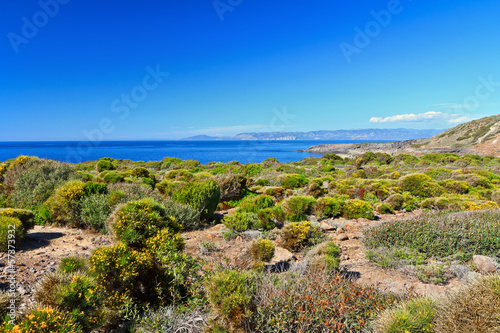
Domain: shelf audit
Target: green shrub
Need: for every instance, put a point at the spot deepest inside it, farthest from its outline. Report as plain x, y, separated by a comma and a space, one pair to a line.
36, 181
25, 216
269, 216
289, 182
297, 208
412, 316
324, 257
299, 235
11, 233
231, 186
420, 185
384, 208
327, 207
168, 187
95, 188
141, 172
262, 182
315, 190
396, 201
355, 209
80, 299
395, 257
135, 222
454, 186
255, 203
262, 249
203, 195
64, 203
169, 162
52, 321
72, 264
113, 177
241, 221
94, 210
230, 293
105, 164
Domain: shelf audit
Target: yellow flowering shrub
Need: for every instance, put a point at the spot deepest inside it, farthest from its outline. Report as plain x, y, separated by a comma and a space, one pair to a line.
64, 203
122, 273
43, 320
298, 235
355, 209
11, 232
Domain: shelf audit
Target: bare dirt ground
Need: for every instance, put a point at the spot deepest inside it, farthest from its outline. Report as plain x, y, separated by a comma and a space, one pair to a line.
41, 252
45, 246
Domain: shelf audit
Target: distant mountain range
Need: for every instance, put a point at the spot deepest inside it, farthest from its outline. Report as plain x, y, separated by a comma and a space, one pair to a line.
398, 134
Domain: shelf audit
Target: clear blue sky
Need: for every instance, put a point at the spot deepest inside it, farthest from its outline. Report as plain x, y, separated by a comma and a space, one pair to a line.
234, 65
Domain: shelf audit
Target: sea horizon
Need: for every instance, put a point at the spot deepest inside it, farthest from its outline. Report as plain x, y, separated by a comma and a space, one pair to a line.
243, 151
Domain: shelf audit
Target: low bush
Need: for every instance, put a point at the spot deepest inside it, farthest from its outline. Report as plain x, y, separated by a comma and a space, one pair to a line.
262, 250
11, 233
412, 316
64, 203
203, 195
384, 208
172, 319
33, 182
315, 190
137, 221
44, 320
72, 264
324, 257
231, 186
105, 164
94, 210
299, 235
289, 182
168, 187
355, 209
95, 188
269, 217
230, 293
396, 201
420, 185
255, 203
455, 186
241, 221
297, 208
25, 216
125, 275
80, 299
327, 207
113, 177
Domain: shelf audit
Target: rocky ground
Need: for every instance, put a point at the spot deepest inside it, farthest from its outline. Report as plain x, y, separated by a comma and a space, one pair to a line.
41, 252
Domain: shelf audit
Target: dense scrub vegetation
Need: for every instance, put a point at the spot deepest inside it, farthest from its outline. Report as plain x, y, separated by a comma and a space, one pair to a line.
146, 282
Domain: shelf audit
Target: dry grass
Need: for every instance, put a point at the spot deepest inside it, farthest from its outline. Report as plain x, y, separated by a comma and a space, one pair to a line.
45, 289
475, 309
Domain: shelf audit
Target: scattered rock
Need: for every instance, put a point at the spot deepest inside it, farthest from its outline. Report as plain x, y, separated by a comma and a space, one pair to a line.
484, 264
281, 254
343, 238
79, 238
252, 234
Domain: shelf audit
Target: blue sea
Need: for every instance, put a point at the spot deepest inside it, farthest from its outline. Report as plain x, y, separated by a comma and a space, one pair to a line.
203, 151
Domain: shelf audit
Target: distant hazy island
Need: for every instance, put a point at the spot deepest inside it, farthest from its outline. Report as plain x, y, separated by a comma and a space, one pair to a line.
356, 134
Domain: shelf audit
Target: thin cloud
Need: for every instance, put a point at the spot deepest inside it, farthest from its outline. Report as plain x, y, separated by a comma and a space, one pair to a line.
430, 116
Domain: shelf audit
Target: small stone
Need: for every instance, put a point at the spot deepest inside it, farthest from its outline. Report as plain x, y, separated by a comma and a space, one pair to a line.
343, 238
484, 264
85, 248
78, 237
